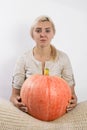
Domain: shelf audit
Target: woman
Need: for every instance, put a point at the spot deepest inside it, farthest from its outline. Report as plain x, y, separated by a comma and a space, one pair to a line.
43, 55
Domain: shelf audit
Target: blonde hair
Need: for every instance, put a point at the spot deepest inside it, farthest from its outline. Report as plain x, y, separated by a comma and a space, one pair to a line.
43, 19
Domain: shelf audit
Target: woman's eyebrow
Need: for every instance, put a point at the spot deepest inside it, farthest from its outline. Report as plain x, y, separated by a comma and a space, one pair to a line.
39, 28
48, 28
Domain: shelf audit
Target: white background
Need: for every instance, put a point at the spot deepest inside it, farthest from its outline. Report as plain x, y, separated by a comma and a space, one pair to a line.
70, 18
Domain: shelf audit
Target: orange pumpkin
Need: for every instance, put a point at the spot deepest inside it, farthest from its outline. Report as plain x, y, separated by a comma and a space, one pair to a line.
45, 96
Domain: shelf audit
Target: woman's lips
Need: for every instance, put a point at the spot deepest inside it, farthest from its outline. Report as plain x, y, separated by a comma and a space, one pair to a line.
43, 40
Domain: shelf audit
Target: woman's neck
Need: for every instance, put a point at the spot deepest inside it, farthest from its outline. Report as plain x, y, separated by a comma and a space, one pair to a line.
42, 54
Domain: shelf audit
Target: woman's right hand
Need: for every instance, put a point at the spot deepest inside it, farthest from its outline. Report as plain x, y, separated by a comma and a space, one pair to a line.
18, 103
16, 100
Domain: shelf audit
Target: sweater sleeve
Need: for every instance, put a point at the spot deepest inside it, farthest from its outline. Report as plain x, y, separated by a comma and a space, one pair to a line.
67, 72
19, 73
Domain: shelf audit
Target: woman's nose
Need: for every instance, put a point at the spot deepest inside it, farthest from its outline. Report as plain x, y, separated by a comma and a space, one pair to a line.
42, 34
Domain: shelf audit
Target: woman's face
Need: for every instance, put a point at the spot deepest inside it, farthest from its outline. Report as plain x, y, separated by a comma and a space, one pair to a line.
43, 33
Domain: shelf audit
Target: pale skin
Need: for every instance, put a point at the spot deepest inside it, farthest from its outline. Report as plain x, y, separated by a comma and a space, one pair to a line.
42, 35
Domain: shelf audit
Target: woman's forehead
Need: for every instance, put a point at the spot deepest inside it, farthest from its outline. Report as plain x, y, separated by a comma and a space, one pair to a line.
45, 24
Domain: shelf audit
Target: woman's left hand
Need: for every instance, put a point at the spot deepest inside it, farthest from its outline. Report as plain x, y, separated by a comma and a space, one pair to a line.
72, 103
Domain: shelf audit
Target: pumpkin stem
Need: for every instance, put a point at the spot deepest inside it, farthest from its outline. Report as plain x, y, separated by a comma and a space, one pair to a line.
46, 71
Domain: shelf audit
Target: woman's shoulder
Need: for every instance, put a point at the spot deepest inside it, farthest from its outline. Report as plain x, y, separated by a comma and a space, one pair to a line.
61, 54
25, 55
62, 57
28, 52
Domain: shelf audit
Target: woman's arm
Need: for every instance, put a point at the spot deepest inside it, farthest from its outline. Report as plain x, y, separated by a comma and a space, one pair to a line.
16, 100
67, 75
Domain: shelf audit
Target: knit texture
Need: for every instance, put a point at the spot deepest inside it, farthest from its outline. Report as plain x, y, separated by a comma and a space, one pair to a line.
11, 118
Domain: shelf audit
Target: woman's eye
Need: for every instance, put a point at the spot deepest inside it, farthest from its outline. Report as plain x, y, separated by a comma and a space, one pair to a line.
47, 30
38, 30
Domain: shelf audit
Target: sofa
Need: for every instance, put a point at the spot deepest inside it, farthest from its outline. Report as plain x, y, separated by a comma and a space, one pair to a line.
11, 118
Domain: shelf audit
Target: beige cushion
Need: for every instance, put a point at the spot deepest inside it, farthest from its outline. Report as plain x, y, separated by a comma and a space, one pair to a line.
12, 118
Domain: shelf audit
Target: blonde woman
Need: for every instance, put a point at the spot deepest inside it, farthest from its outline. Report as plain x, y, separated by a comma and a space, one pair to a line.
43, 55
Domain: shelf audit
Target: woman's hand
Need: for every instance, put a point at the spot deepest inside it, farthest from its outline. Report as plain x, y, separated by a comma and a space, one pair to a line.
73, 102
16, 100
18, 103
